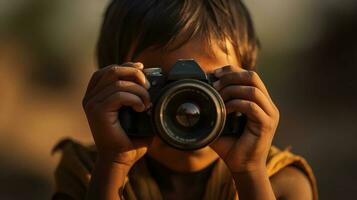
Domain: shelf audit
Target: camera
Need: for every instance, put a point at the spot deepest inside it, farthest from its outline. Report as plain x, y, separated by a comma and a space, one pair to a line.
187, 112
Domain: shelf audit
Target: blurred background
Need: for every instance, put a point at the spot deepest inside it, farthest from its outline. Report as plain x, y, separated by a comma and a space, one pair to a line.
308, 61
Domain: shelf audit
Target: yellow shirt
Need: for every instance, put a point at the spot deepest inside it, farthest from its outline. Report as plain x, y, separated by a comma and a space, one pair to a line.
73, 174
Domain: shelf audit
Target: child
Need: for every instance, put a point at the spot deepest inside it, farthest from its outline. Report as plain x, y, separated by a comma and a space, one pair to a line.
138, 34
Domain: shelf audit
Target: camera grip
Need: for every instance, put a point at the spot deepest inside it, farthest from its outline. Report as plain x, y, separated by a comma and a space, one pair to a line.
135, 124
235, 124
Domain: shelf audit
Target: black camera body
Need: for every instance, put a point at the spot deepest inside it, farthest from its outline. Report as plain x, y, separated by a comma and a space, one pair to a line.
187, 112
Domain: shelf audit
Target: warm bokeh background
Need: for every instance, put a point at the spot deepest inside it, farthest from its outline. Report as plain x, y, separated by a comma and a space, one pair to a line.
308, 60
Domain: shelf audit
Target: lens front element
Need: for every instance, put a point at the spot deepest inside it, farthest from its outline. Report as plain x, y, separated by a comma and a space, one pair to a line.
190, 114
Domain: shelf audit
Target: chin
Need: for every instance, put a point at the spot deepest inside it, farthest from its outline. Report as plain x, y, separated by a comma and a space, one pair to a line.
161, 146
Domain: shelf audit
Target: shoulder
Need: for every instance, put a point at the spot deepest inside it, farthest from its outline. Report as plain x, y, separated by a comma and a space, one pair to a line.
291, 176
72, 174
292, 183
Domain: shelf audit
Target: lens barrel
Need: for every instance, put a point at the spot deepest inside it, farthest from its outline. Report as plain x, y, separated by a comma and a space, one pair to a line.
189, 114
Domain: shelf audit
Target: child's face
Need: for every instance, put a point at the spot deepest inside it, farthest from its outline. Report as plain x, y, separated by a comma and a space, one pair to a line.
194, 49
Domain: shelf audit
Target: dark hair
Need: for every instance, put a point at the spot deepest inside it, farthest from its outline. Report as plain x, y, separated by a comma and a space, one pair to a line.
131, 26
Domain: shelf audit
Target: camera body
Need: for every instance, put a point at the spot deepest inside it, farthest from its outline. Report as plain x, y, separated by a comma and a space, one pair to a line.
187, 112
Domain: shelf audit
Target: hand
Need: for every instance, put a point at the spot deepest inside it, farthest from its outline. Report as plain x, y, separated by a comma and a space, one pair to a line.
109, 89
243, 91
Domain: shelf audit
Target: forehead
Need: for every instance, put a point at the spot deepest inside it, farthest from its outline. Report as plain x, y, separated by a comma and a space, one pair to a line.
208, 57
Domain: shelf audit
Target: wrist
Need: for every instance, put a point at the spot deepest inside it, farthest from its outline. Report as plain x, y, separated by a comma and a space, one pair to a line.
251, 172
251, 175
246, 168
122, 159
253, 184
105, 162
111, 172
108, 177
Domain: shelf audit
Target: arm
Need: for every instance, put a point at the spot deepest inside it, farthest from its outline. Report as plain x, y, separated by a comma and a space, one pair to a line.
243, 91
254, 185
108, 90
108, 179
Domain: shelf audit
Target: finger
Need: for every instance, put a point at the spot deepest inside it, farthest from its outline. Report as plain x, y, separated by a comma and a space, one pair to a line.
223, 145
93, 82
115, 101
249, 108
249, 93
225, 69
137, 65
99, 73
123, 86
121, 73
239, 77
96, 77
128, 71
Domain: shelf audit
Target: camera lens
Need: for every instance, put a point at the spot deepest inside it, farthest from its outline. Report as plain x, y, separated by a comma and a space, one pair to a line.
189, 115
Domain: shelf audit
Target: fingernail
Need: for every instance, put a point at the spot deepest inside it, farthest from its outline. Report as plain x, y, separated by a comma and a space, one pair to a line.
147, 84
139, 65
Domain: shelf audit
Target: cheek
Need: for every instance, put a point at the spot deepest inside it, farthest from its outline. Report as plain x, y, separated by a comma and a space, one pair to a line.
210, 64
